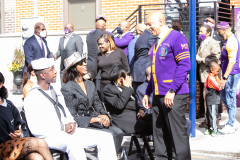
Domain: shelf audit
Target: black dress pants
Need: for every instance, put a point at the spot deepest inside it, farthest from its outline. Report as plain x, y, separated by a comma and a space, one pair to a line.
117, 134
169, 129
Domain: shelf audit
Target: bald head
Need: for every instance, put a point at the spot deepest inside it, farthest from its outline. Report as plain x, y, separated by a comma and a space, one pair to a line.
140, 28
101, 24
148, 73
156, 22
69, 26
39, 27
125, 26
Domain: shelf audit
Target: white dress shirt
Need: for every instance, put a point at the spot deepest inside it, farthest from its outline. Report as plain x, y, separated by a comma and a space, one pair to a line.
66, 39
40, 41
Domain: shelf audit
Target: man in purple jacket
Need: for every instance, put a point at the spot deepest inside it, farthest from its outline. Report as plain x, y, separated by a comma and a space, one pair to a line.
125, 36
170, 63
230, 73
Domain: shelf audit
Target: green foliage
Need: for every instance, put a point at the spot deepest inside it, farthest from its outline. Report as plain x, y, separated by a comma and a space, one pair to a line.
18, 60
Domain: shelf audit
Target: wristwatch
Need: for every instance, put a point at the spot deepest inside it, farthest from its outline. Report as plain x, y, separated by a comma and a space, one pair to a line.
224, 78
171, 91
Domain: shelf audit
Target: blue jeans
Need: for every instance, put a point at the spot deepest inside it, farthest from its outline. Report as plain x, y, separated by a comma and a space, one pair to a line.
228, 95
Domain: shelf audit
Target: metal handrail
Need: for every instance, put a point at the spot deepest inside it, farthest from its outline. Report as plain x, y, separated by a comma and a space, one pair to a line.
184, 10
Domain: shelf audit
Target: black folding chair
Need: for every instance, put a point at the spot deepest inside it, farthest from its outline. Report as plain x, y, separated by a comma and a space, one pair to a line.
141, 151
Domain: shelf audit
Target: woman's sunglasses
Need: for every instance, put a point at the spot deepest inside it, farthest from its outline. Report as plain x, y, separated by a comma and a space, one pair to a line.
82, 61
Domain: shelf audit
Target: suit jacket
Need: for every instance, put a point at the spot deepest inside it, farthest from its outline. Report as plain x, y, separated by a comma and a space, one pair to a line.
124, 41
140, 92
208, 47
78, 102
74, 44
92, 47
141, 57
122, 108
33, 51
131, 47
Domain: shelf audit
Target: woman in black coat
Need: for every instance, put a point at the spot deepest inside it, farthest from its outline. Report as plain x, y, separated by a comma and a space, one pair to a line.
82, 99
122, 105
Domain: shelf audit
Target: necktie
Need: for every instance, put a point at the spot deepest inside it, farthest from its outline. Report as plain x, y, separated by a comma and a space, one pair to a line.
57, 104
43, 50
156, 43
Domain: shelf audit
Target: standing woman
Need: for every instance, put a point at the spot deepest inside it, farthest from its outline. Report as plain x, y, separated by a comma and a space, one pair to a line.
108, 56
83, 101
208, 51
12, 145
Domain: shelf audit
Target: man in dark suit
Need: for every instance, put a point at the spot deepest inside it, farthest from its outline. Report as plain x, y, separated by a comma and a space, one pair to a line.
125, 36
36, 47
91, 40
141, 57
68, 44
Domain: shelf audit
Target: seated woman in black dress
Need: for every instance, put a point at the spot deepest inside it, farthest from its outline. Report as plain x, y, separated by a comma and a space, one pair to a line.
121, 103
12, 145
82, 99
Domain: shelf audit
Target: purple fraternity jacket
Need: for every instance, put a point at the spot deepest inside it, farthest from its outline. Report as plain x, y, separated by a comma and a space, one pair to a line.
170, 64
124, 41
224, 59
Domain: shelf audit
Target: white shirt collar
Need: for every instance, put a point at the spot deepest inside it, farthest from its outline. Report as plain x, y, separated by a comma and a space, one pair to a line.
68, 36
4, 103
163, 32
37, 37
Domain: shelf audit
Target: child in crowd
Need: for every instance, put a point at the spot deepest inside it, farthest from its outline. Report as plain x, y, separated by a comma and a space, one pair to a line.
212, 100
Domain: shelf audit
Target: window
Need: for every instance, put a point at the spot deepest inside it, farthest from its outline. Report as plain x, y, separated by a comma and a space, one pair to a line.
81, 13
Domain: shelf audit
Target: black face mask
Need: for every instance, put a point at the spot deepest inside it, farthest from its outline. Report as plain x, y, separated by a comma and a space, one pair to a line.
176, 28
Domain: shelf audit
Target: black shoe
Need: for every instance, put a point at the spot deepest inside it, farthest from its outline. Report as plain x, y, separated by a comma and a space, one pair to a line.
200, 115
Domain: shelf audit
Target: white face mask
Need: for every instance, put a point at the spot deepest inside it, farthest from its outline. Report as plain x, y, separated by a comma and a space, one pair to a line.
43, 34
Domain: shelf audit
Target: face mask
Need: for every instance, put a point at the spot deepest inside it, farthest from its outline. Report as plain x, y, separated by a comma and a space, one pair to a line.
43, 34
201, 37
209, 24
176, 28
119, 31
67, 32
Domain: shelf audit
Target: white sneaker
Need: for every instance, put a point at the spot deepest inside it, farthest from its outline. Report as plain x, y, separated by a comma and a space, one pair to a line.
235, 125
228, 129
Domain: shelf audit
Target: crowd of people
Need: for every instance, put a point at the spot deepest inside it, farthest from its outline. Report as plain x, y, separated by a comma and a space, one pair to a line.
124, 85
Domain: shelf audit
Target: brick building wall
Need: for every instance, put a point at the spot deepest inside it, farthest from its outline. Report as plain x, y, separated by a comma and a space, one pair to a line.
23, 9
116, 10
51, 10
9, 16
235, 2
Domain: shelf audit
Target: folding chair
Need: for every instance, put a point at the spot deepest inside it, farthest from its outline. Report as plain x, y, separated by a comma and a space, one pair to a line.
141, 151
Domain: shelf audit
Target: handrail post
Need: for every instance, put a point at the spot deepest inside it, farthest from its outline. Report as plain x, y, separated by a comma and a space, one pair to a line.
140, 13
233, 19
192, 114
215, 15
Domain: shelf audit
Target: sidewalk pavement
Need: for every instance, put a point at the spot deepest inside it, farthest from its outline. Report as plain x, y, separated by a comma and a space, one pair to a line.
227, 145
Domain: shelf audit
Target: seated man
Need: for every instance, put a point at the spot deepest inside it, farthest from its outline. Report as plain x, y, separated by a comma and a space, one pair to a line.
48, 118
140, 92
121, 103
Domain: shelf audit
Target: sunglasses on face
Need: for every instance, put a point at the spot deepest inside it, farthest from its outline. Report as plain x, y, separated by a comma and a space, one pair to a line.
82, 61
